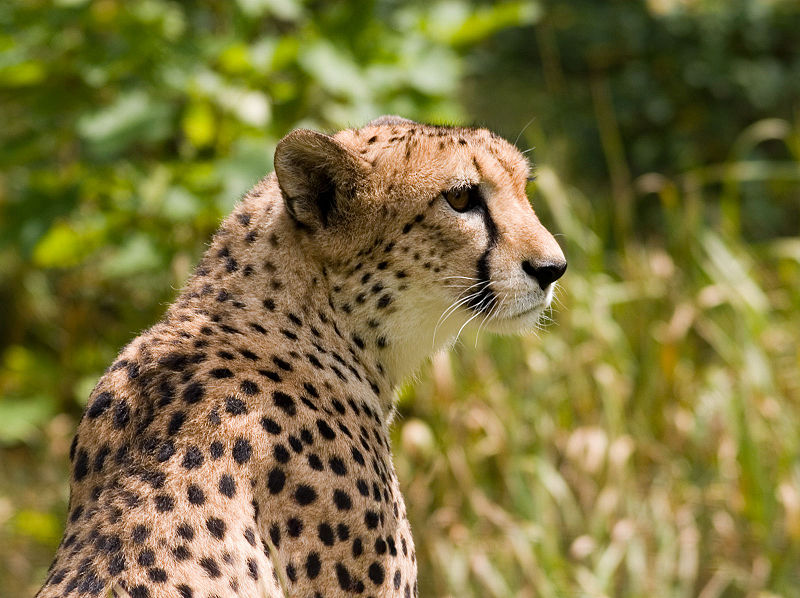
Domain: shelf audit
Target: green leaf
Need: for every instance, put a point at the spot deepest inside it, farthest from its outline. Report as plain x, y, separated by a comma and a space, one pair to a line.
133, 117
22, 418
333, 69
65, 245
41, 526
137, 254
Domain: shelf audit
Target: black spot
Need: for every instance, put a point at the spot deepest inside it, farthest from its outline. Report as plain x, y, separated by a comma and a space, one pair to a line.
314, 462
186, 531
376, 573
358, 547
181, 553
313, 565
305, 495
343, 576
371, 519
249, 388
220, 373
100, 457
380, 546
357, 456
116, 564
140, 533
295, 443
227, 486
122, 414
325, 533
175, 422
99, 406
76, 514
291, 573
211, 567
284, 365
146, 558
271, 375
270, 425
139, 591
284, 402
294, 527
164, 503
280, 453
235, 406
216, 449
275, 535
247, 354
252, 568
193, 393
193, 458
157, 575
325, 429
185, 591
196, 495
337, 466
216, 527
343, 532
250, 536
242, 450
165, 451
276, 480
81, 465
384, 301
342, 500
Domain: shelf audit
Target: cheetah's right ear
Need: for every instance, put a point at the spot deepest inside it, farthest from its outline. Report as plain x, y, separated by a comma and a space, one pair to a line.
316, 175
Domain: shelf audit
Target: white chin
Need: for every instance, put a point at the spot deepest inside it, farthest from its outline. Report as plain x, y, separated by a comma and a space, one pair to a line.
519, 324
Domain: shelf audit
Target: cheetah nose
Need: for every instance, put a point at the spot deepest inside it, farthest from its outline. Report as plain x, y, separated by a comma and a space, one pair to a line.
546, 273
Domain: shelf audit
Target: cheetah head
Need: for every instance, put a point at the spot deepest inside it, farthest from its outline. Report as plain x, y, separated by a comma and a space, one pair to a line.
424, 228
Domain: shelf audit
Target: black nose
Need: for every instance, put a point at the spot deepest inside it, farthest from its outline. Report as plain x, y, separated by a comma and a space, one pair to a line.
545, 274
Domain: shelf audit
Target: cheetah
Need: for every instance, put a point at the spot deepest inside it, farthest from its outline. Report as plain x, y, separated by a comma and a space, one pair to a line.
240, 446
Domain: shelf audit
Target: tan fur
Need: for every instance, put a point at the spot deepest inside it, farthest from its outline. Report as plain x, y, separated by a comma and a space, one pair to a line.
240, 446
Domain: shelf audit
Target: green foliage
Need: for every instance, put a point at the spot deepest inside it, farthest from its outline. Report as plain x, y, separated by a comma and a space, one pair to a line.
645, 445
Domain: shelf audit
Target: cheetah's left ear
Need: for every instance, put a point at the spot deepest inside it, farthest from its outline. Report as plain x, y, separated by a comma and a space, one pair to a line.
316, 174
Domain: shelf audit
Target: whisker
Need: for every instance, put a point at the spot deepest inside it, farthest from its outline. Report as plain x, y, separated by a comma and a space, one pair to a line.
528, 124
456, 304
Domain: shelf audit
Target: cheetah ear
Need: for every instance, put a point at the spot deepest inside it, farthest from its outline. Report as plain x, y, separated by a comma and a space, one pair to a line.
316, 174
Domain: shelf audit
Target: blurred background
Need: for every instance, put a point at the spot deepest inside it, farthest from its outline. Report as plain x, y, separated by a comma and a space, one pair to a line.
646, 443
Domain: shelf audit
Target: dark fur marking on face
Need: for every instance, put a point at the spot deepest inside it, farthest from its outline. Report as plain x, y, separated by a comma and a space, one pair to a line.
485, 298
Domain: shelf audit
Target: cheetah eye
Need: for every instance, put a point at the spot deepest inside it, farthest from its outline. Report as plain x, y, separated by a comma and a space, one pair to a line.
462, 199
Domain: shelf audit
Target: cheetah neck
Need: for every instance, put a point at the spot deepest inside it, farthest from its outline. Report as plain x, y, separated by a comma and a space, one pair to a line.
270, 292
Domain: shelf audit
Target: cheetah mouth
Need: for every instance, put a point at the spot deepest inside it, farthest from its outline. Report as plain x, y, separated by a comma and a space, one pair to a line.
535, 309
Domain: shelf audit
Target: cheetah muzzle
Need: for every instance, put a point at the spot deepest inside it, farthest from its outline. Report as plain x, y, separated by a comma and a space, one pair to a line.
240, 446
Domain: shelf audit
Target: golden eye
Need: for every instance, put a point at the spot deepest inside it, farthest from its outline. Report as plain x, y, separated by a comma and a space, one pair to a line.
460, 199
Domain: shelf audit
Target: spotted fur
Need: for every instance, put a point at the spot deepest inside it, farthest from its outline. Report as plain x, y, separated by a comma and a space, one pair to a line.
240, 446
